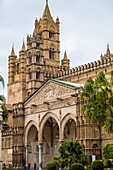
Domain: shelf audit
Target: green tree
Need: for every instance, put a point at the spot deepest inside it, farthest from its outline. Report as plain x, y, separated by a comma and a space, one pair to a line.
108, 151
98, 97
77, 166
2, 98
69, 153
2, 102
51, 166
97, 165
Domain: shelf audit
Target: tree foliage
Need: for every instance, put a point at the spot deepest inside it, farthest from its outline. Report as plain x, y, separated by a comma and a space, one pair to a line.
77, 166
51, 166
98, 97
70, 152
2, 102
107, 163
97, 165
108, 151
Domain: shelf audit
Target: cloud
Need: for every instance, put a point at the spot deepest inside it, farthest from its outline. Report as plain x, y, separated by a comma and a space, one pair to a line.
86, 27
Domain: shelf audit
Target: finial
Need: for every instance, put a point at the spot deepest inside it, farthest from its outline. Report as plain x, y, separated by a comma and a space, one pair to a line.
12, 51
46, 2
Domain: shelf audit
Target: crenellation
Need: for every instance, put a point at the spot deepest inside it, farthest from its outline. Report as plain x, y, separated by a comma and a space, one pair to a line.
82, 68
73, 70
79, 68
86, 68
70, 71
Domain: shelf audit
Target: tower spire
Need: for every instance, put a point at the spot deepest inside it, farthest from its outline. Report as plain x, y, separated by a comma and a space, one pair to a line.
23, 46
47, 12
65, 55
108, 50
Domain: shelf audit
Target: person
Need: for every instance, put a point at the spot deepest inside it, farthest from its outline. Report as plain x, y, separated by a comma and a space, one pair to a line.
34, 166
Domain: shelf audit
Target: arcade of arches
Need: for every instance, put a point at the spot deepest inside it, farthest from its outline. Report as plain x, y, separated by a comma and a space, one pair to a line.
52, 134
51, 119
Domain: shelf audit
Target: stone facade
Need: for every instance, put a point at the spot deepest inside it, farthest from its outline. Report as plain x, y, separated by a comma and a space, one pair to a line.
52, 114
7, 138
45, 96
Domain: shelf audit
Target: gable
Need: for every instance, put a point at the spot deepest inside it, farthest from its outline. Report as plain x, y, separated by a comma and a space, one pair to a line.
50, 91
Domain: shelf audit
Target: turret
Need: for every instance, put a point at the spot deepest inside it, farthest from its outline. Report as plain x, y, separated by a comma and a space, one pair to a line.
65, 65
11, 66
22, 64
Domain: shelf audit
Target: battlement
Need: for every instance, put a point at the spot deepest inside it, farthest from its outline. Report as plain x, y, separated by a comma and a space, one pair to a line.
105, 61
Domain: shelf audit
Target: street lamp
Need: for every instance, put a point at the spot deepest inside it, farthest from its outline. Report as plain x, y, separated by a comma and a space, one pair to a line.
1, 120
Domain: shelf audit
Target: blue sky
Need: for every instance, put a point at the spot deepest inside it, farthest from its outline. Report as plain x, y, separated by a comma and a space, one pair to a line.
86, 28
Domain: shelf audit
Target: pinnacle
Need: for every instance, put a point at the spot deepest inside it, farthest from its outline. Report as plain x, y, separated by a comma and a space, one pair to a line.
65, 56
12, 51
108, 50
23, 46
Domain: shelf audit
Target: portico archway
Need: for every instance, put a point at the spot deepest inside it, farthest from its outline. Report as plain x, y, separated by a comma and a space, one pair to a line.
69, 127
50, 140
32, 147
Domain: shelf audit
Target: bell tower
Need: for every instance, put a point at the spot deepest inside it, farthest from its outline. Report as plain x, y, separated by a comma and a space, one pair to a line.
38, 62
49, 30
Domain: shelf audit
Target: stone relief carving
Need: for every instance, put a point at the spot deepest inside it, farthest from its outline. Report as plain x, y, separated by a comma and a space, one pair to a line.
51, 92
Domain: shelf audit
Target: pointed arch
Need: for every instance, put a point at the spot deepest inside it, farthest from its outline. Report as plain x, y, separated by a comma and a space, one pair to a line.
52, 28
51, 53
46, 117
28, 126
65, 119
44, 120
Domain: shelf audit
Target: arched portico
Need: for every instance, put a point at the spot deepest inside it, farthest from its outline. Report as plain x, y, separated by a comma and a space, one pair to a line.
69, 127
28, 126
31, 144
50, 136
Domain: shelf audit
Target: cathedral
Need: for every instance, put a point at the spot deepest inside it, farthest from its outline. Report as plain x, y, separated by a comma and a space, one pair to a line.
44, 99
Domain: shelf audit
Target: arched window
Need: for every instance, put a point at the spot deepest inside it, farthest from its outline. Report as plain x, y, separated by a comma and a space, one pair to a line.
51, 34
94, 148
44, 62
51, 53
17, 68
28, 94
29, 58
37, 75
38, 59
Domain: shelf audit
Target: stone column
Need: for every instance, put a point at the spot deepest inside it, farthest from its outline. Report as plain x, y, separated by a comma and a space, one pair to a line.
40, 156
26, 155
